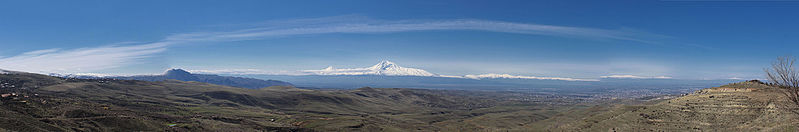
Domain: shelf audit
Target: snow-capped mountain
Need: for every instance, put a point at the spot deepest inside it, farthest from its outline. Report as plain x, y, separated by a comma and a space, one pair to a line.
388, 68
385, 68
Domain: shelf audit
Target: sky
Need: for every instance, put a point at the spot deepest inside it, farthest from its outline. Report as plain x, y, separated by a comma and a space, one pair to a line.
574, 39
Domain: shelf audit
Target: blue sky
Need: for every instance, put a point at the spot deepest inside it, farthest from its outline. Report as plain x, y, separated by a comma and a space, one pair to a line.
579, 39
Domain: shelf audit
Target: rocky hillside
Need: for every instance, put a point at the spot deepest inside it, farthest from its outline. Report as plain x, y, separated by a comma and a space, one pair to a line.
745, 106
32, 102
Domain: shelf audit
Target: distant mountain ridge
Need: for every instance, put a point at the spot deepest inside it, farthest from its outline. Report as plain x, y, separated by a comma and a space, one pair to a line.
182, 75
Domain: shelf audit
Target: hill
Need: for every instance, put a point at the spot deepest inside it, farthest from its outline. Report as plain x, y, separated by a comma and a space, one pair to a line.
33, 102
744, 106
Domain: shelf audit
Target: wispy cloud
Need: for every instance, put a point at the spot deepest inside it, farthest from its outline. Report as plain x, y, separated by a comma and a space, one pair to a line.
90, 59
636, 77
736, 78
80, 60
365, 25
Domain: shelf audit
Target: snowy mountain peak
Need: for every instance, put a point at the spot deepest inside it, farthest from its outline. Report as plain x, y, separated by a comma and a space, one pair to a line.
386, 68
384, 65
329, 68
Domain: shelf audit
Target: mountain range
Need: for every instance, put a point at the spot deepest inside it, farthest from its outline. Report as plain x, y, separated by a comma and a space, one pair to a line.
390, 74
388, 68
183, 75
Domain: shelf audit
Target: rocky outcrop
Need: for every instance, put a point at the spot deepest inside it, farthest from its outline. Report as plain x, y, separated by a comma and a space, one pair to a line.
745, 106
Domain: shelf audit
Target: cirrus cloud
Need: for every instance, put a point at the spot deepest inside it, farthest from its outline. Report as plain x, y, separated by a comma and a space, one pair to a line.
80, 60
366, 25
